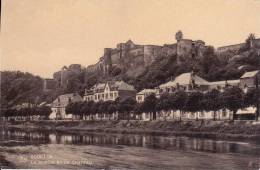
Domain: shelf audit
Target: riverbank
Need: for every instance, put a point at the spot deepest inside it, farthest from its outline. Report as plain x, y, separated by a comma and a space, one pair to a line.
238, 130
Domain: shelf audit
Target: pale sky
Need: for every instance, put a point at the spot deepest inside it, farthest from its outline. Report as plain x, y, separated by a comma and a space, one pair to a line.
41, 36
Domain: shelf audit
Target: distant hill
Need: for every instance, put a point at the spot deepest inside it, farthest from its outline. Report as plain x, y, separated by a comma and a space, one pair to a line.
18, 87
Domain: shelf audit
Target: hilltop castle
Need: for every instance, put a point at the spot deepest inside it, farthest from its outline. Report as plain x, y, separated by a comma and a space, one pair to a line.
146, 54
135, 57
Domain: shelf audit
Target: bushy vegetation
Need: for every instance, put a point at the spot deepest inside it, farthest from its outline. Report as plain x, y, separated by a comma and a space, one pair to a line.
19, 87
27, 113
233, 98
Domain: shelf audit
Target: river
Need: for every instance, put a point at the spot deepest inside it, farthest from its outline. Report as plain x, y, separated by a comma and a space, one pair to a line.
41, 149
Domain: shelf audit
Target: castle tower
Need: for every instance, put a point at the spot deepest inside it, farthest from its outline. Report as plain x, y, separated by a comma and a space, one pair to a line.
62, 76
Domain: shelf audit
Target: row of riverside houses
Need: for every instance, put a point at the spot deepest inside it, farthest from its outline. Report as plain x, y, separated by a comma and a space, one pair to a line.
187, 82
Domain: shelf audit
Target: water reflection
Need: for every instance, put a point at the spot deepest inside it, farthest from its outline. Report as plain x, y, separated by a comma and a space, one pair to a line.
114, 140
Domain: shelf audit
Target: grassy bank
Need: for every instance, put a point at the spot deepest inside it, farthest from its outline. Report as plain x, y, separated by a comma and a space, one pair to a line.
237, 130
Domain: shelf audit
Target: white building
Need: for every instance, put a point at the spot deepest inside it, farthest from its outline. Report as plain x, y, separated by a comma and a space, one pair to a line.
221, 85
58, 106
110, 90
187, 82
144, 93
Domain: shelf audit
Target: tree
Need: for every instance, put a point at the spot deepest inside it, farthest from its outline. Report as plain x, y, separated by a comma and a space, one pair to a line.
74, 108
138, 109
149, 105
44, 111
111, 108
164, 103
249, 40
84, 109
70, 108
250, 98
194, 102
232, 98
126, 106
212, 102
94, 109
248, 43
179, 100
102, 108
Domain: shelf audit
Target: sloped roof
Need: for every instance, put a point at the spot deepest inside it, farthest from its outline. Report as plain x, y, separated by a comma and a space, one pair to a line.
124, 86
224, 82
147, 91
168, 84
63, 100
250, 74
185, 79
113, 85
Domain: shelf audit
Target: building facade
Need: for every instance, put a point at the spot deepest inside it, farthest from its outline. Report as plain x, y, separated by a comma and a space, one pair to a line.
187, 82
109, 91
140, 97
248, 80
58, 106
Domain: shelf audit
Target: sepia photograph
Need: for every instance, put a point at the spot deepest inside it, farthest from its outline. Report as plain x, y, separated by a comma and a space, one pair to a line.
130, 84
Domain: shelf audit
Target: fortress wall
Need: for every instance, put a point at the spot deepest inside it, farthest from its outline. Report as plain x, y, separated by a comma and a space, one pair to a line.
115, 58
257, 42
184, 46
137, 51
148, 53
235, 47
92, 68
151, 52
169, 51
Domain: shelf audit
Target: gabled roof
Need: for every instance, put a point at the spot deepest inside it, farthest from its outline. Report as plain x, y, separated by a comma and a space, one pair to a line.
185, 79
121, 85
113, 85
63, 100
250, 74
230, 82
146, 91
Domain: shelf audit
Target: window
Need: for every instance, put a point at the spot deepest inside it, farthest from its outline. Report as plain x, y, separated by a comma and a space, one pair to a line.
115, 94
111, 95
202, 114
106, 95
103, 95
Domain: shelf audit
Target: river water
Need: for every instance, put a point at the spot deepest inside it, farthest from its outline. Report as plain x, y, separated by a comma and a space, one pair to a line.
20, 149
